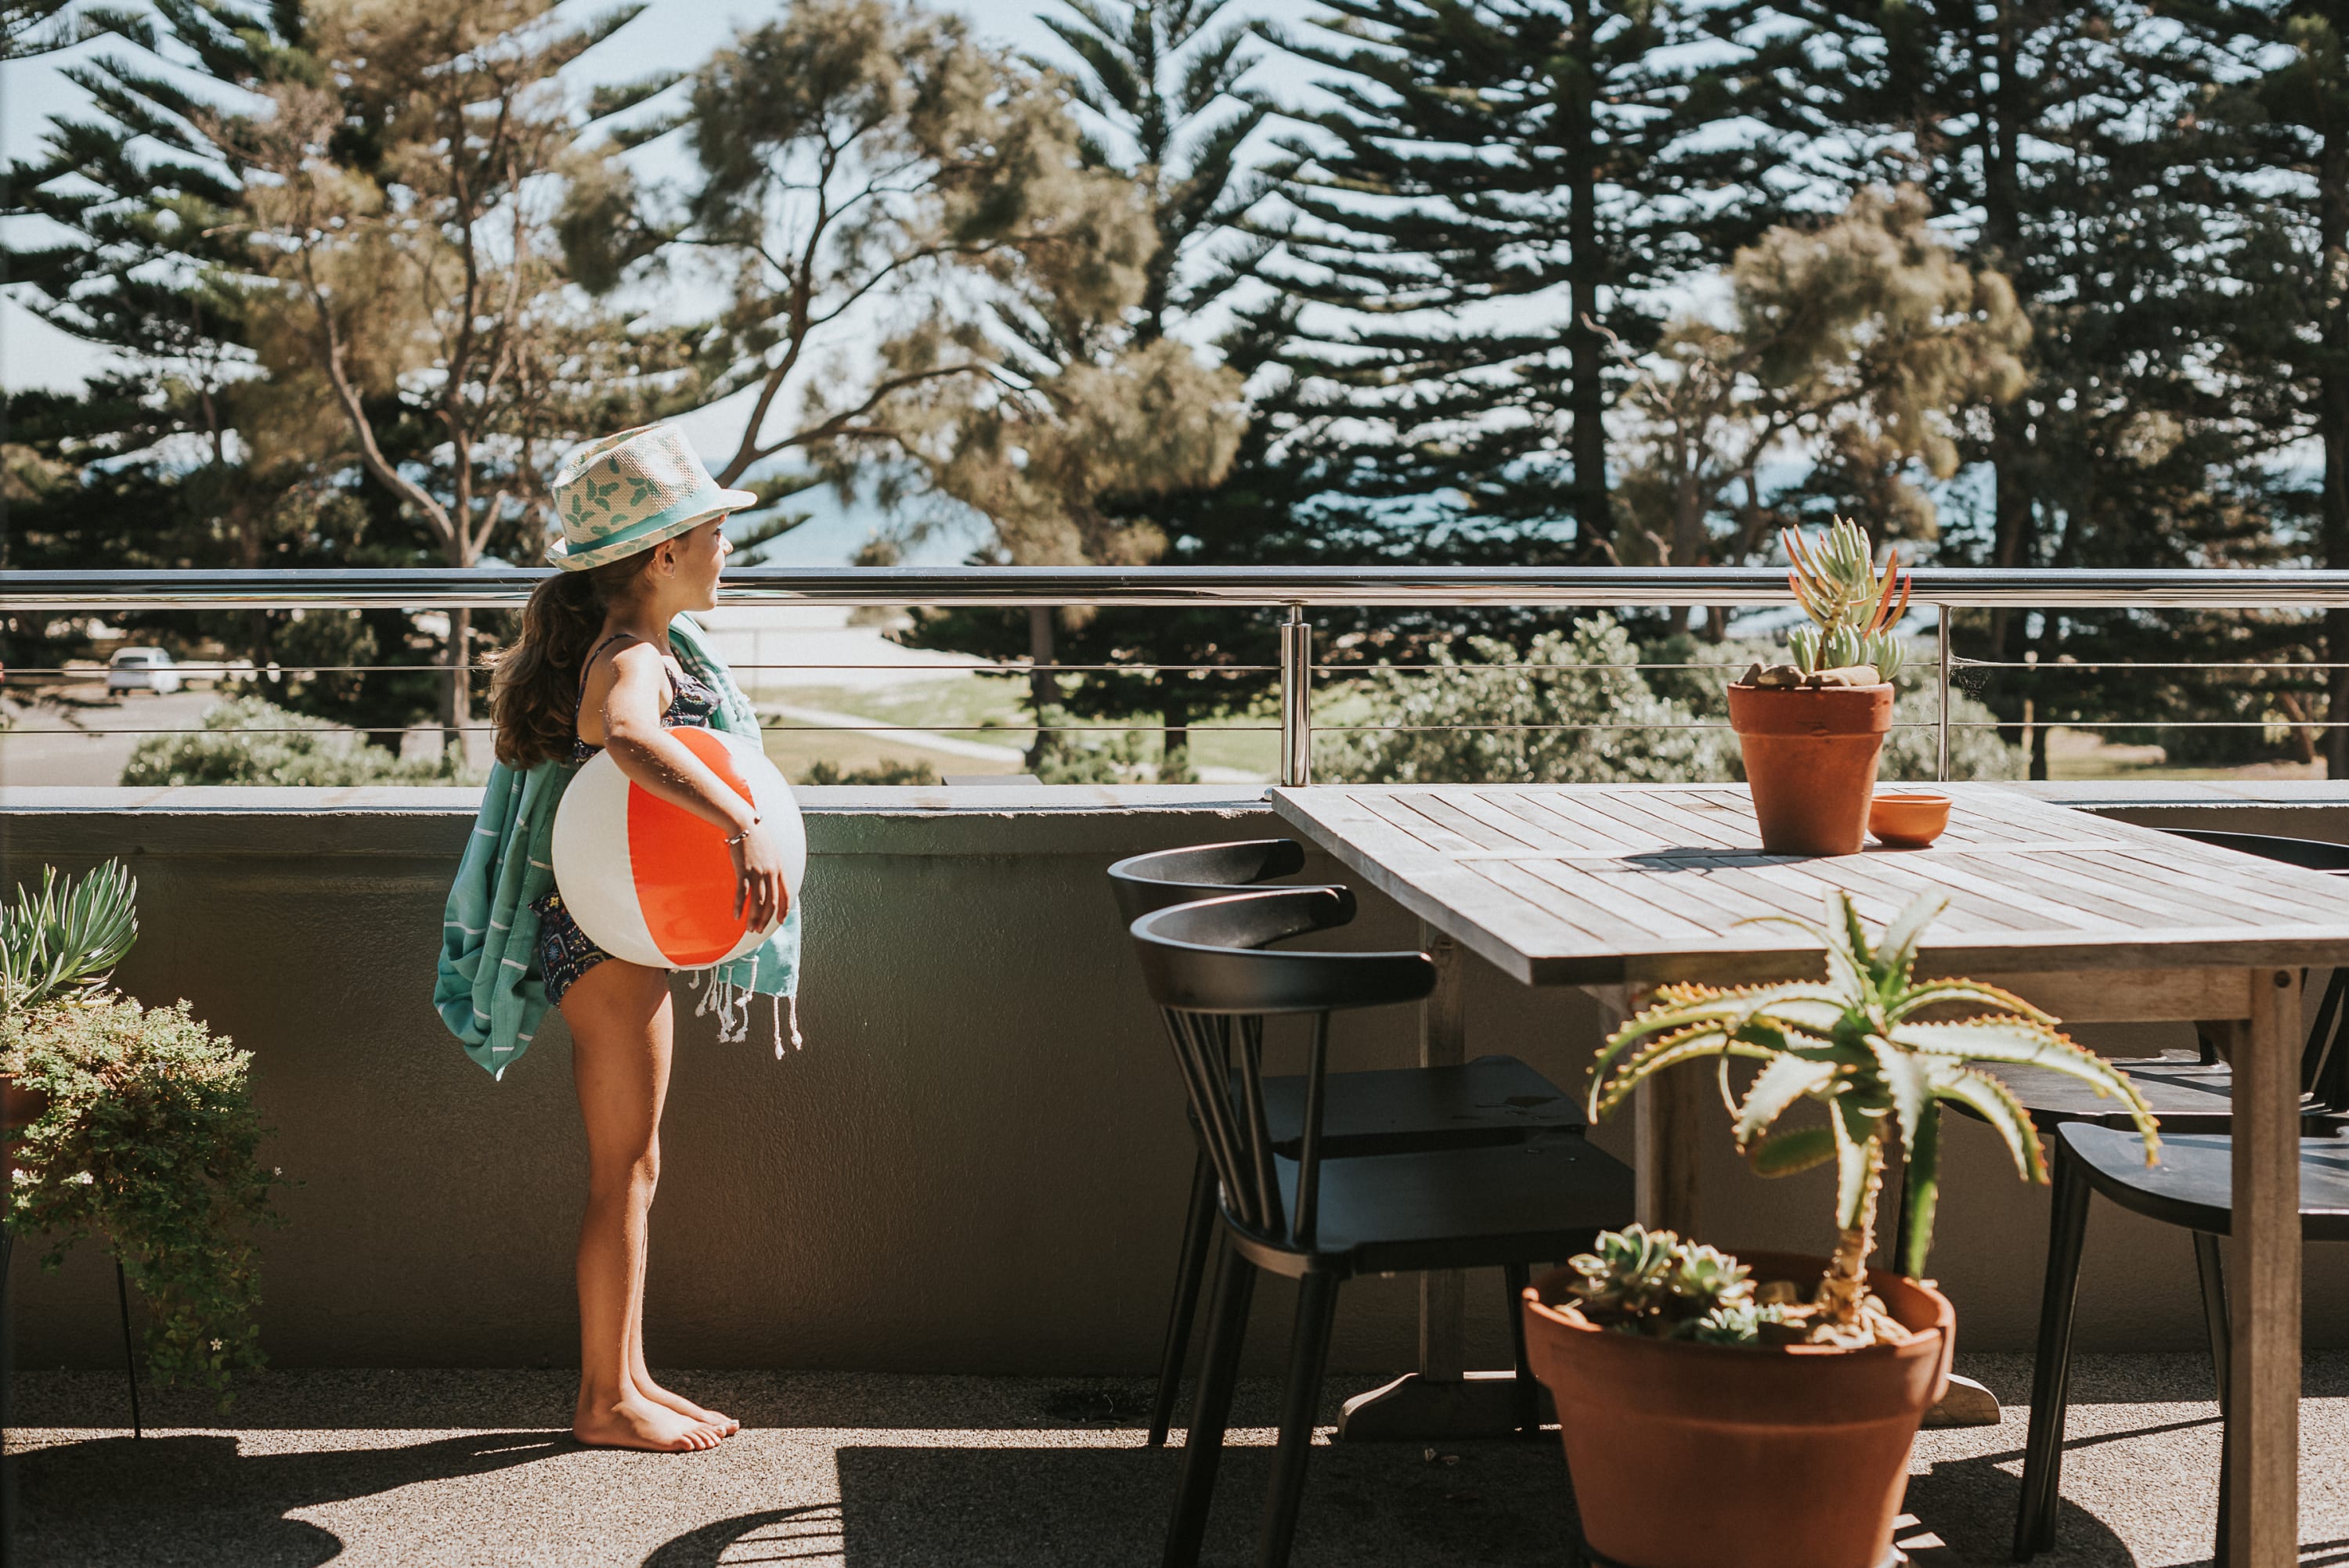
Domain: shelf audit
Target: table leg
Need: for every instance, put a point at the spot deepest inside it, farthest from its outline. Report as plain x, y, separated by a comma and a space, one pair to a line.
1442, 1399
1443, 1042
1669, 1107
2263, 1416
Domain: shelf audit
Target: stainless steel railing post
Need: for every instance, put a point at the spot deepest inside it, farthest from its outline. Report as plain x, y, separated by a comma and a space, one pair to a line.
1297, 698
1941, 715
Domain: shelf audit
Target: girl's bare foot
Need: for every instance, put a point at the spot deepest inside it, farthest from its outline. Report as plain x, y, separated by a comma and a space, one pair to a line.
727, 1425
633, 1421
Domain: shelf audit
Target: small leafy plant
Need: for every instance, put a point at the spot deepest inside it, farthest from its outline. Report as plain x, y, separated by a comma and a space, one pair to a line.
1858, 1046
1853, 609
147, 1135
1653, 1283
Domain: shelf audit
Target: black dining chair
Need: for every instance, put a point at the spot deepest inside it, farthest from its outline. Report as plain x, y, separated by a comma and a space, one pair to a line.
2196, 1097
2189, 1097
2192, 1188
2194, 1103
1319, 1221
1493, 1100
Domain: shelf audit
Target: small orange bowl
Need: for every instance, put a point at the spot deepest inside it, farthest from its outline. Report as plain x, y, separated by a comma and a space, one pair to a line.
1908, 821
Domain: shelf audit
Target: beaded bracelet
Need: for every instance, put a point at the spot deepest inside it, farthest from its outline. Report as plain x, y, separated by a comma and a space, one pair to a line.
734, 839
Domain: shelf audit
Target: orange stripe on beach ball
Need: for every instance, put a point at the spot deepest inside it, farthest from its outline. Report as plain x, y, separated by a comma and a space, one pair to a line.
679, 861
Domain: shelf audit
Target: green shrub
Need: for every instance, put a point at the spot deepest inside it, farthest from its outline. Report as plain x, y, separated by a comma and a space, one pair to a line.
1911, 752
1082, 756
1433, 727
252, 741
883, 772
147, 1143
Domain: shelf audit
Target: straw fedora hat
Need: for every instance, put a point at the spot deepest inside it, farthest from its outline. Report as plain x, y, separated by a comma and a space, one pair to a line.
627, 492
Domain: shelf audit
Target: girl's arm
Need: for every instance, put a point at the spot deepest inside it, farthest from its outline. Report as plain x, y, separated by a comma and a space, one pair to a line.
655, 760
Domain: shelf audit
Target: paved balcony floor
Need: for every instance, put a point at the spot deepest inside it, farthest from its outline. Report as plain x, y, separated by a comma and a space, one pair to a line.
466, 1467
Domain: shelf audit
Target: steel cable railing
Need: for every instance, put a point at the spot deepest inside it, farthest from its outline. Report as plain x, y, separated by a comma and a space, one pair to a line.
1295, 589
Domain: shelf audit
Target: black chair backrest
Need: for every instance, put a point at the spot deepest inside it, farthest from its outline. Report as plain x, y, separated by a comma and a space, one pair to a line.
1166, 877
2310, 854
2324, 1059
1205, 968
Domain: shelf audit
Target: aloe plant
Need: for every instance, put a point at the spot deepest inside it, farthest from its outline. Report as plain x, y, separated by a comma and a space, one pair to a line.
71, 934
1856, 1045
1851, 606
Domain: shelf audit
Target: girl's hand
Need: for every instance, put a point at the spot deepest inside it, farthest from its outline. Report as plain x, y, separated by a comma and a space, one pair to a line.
758, 879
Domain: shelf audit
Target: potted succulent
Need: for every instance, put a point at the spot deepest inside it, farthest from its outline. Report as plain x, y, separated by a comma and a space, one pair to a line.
132, 1124
1769, 1400
1811, 731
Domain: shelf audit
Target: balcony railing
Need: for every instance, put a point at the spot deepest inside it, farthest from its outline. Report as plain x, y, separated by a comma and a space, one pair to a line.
1297, 589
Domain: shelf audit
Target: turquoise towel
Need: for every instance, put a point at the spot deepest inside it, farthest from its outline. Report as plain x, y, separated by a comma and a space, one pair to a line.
489, 992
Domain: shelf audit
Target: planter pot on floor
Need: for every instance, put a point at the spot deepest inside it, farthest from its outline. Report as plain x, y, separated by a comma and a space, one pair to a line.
1810, 759
1696, 1455
20, 1106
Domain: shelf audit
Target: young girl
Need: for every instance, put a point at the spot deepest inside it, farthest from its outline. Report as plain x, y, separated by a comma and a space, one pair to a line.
603, 664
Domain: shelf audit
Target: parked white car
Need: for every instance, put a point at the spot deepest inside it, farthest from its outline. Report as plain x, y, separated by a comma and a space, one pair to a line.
142, 669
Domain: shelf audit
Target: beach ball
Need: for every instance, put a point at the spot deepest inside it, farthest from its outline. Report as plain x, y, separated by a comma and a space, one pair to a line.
653, 883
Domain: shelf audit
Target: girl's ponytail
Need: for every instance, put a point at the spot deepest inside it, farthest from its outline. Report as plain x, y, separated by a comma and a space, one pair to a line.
534, 695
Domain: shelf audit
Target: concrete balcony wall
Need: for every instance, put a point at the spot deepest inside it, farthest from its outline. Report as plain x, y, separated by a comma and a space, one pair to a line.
978, 1163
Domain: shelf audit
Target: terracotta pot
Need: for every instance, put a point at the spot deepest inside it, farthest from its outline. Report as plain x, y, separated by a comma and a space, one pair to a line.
1910, 819
18, 1107
1810, 758
1695, 1456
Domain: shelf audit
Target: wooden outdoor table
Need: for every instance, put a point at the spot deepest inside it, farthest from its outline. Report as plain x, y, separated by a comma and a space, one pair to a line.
1619, 888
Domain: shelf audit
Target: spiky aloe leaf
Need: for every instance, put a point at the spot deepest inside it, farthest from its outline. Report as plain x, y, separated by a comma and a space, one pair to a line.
1920, 1193
1994, 1103
1799, 1148
1857, 1152
1654, 1057
1845, 979
2025, 1043
1774, 1087
1938, 992
1908, 1082
1847, 933
1683, 1006
1896, 950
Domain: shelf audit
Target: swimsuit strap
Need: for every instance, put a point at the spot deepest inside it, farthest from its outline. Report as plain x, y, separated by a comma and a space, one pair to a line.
597, 652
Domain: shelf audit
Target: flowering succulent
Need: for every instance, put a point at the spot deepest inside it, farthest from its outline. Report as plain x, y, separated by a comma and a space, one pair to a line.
1852, 608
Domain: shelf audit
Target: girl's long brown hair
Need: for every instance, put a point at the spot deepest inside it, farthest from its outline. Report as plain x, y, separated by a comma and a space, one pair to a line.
534, 695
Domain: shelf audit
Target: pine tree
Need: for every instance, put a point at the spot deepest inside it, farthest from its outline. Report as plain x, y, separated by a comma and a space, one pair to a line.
2051, 131
1480, 223
2271, 119
1164, 82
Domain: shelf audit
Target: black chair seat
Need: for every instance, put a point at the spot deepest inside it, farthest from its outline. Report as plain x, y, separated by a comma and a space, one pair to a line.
2185, 1096
1537, 1201
1493, 1100
2194, 1185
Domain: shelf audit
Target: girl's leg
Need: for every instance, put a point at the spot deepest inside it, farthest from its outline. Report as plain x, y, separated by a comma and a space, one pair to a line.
619, 1019
727, 1425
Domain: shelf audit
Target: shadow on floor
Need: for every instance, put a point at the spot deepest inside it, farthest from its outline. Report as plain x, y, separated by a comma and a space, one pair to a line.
194, 1501
1969, 1505
446, 1399
1501, 1504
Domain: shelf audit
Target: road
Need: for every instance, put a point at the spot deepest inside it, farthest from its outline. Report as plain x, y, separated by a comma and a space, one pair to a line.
85, 739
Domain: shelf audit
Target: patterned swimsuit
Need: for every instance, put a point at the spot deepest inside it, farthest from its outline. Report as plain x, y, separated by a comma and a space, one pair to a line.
566, 952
